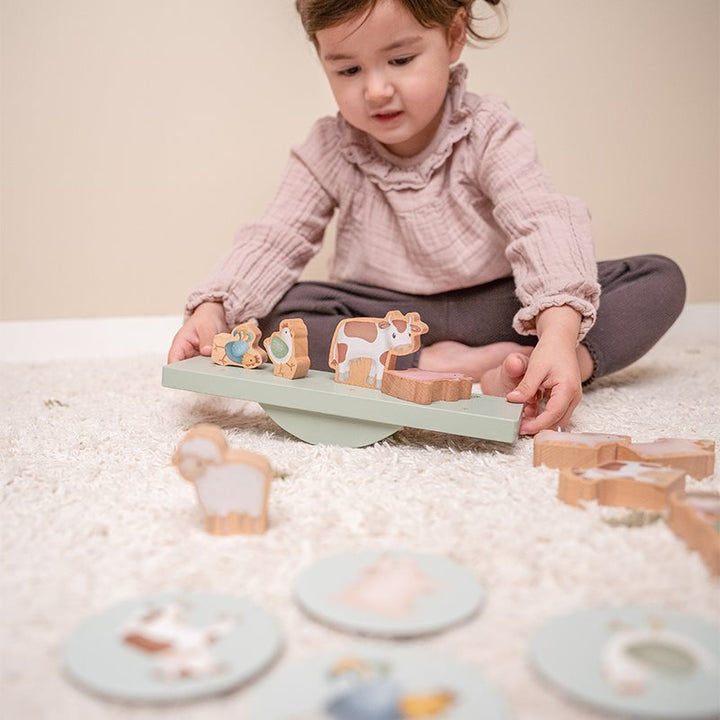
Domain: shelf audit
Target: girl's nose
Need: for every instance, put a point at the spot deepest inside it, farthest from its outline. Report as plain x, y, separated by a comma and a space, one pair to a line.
378, 89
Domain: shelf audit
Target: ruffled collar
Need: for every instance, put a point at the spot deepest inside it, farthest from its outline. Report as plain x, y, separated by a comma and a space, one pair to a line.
391, 172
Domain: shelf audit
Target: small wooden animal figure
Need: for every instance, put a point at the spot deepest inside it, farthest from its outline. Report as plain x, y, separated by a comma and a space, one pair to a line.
232, 485
425, 387
363, 348
575, 450
240, 348
621, 484
695, 457
695, 517
288, 349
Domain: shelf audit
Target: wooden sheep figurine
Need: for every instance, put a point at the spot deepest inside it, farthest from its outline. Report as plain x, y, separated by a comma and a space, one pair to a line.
288, 349
241, 347
363, 348
232, 485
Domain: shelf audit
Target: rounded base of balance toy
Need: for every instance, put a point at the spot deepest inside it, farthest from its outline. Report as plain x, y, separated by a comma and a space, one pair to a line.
318, 429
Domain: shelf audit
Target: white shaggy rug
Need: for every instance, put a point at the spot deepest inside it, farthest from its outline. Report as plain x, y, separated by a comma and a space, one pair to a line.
93, 514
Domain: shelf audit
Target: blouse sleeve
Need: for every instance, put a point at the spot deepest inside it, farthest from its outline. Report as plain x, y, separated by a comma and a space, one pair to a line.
550, 246
269, 254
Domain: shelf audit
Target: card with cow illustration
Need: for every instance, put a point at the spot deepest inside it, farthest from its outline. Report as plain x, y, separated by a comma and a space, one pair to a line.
633, 661
376, 682
389, 594
363, 348
169, 647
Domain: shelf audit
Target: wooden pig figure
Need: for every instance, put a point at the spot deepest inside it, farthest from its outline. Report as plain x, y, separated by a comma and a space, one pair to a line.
288, 349
232, 485
241, 347
363, 348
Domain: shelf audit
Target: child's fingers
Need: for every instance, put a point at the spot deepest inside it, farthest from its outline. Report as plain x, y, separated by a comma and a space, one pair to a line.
557, 412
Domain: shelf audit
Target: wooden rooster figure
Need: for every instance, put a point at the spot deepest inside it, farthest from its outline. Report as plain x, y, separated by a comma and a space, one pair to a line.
241, 347
288, 349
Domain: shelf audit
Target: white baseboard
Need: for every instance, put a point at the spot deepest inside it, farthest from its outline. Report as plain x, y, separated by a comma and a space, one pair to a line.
54, 340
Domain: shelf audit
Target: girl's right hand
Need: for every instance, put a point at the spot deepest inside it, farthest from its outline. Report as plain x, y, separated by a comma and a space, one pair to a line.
195, 337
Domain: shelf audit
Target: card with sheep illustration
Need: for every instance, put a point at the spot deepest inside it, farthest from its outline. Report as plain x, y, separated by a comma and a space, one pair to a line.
233, 486
632, 661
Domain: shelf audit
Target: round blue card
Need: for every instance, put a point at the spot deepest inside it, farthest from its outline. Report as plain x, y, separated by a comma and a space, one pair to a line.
636, 661
379, 682
389, 594
171, 647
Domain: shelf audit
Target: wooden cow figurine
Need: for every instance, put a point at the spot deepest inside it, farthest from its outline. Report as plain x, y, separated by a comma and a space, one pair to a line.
621, 484
695, 457
232, 485
288, 349
363, 348
695, 517
425, 387
575, 450
241, 347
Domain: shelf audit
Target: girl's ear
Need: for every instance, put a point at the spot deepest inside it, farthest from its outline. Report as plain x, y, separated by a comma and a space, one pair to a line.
456, 35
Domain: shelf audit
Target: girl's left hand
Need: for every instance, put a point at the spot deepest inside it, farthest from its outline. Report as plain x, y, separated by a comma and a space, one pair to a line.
552, 375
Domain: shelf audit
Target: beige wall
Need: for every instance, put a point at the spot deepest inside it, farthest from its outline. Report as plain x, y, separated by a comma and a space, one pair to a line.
137, 134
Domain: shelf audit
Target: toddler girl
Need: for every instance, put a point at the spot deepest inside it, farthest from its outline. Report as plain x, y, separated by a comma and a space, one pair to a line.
443, 209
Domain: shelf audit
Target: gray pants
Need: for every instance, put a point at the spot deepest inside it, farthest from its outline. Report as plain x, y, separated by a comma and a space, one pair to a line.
641, 298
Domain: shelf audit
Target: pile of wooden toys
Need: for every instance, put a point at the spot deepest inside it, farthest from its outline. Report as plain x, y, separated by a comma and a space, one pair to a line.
612, 470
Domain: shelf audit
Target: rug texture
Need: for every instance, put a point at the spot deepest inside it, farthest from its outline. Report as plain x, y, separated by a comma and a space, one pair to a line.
93, 514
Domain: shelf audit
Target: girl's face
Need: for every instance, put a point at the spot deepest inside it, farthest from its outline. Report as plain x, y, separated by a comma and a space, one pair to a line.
389, 74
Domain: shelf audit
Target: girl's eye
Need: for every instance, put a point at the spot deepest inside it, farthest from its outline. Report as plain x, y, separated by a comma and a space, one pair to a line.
349, 72
402, 60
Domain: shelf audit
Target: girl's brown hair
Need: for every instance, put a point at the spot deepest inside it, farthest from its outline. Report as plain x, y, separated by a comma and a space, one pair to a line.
320, 14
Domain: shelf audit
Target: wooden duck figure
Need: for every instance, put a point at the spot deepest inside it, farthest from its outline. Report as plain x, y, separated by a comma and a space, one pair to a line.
288, 349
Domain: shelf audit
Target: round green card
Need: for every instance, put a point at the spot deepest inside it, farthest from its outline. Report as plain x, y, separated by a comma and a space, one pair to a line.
637, 661
171, 647
389, 594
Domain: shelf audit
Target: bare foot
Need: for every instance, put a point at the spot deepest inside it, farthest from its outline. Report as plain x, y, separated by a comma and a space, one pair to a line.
505, 377
475, 362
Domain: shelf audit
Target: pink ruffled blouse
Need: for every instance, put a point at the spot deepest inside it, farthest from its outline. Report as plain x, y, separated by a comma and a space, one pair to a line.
474, 206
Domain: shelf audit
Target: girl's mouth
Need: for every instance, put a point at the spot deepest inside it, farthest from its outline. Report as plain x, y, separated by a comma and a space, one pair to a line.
387, 117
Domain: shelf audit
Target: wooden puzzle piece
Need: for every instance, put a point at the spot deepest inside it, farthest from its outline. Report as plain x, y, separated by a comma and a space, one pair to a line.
363, 348
232, 485
575, 450
288, 349
425, 387
695, 457
241, 347
695, 517
621, 484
